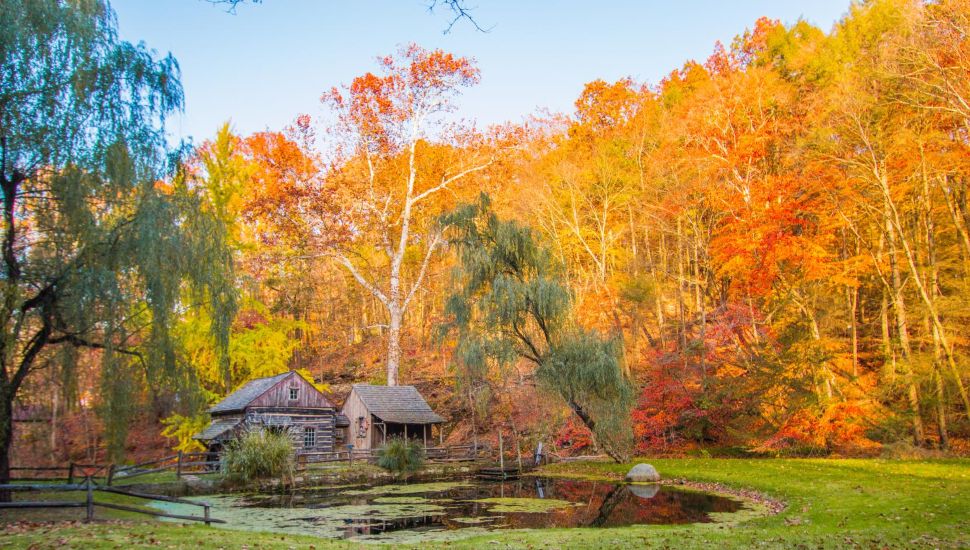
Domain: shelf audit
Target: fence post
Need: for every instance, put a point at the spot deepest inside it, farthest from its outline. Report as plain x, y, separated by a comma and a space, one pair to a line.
70, 474
207, 515
178, 467
90, 501
111, 475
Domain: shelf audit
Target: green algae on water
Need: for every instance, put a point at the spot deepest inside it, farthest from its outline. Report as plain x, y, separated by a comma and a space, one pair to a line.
526, 505
472, 521
406, 500
415, 488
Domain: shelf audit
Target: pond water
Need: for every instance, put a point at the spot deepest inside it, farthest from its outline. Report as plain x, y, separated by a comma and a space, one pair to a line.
457, 508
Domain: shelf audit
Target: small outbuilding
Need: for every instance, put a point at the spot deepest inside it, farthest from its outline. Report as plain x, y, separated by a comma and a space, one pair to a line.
377, 413
285, 402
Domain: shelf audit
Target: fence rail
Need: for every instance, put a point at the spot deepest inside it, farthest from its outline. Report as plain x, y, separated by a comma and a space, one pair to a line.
90, 503
69, 471
452, 453
205, 463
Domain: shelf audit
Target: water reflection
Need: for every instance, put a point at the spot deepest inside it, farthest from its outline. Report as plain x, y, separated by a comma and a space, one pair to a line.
373, 511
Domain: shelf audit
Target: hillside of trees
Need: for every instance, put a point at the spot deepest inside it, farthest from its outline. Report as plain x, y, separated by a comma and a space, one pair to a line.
768, 250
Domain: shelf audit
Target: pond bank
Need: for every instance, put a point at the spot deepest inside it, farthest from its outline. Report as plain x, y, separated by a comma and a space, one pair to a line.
831, 504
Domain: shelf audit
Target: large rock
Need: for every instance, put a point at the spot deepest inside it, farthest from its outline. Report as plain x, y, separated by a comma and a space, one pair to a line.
643, 472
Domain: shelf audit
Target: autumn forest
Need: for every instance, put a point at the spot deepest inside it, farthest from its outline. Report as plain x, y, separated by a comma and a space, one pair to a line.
767, 252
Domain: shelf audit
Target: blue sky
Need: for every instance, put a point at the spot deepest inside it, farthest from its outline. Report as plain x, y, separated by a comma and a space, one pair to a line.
269, 62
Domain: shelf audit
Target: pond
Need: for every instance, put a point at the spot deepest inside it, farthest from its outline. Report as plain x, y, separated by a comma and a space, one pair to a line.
458, 508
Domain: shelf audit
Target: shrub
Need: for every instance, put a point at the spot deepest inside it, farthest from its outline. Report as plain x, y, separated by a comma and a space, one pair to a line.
400, 456
260, 453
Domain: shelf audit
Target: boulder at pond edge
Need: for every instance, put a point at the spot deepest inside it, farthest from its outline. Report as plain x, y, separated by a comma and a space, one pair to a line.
643, 472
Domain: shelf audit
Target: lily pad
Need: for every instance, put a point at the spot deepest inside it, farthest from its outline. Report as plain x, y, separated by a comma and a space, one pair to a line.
402, 500
525, 505
472, 521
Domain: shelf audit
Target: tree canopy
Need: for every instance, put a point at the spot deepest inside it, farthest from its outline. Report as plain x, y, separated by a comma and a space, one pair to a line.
510, 303
97, 252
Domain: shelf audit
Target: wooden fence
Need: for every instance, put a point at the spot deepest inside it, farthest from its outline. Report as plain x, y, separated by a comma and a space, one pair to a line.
453, 453
204, 463
90, 502
69, 471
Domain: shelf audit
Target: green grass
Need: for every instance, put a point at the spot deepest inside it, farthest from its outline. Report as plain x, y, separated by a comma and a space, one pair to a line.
71, 514
155, 477
831, 504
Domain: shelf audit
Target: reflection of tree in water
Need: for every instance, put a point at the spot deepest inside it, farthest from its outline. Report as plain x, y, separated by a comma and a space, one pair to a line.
613, 505
667, 506
611, 501
601, 504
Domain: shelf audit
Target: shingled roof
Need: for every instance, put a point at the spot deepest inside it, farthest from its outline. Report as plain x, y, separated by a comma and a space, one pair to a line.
237, 400
397, 404
217, 428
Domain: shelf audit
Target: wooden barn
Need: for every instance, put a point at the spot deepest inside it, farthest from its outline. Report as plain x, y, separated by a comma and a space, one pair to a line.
377, 413
283, 402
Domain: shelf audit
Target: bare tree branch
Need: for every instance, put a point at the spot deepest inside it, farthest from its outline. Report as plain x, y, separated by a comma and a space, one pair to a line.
458, 8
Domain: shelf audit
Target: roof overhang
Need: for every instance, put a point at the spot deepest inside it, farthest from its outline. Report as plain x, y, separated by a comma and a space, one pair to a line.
217, 429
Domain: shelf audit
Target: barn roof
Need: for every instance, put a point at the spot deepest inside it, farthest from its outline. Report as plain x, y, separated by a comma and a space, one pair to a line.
217, 428
237, 400
397, 404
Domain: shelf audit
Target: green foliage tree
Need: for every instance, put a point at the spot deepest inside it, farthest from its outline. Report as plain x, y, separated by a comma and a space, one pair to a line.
511, 303
96, 253
259, 346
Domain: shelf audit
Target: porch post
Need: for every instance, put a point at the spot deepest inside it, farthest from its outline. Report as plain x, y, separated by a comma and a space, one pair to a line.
424, 434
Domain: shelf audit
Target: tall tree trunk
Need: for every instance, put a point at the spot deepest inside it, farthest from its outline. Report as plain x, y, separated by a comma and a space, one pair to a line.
6, 436
853, 299
591, 424
927, 300
888, 349
658, 283
934, 281
941, 427
701, 309
682, 329
902, 330
394, 345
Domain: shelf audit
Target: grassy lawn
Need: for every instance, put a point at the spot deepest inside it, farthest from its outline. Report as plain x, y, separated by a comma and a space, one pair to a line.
830, 504
9, 516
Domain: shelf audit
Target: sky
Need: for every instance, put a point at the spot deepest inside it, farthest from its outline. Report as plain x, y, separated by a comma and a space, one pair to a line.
266, 63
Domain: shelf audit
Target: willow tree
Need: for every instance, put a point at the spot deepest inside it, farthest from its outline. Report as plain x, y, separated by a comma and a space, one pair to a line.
511, 304
95, 252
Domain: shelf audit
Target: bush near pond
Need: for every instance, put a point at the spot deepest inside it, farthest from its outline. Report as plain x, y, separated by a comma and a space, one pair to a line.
260, 454
401, 456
